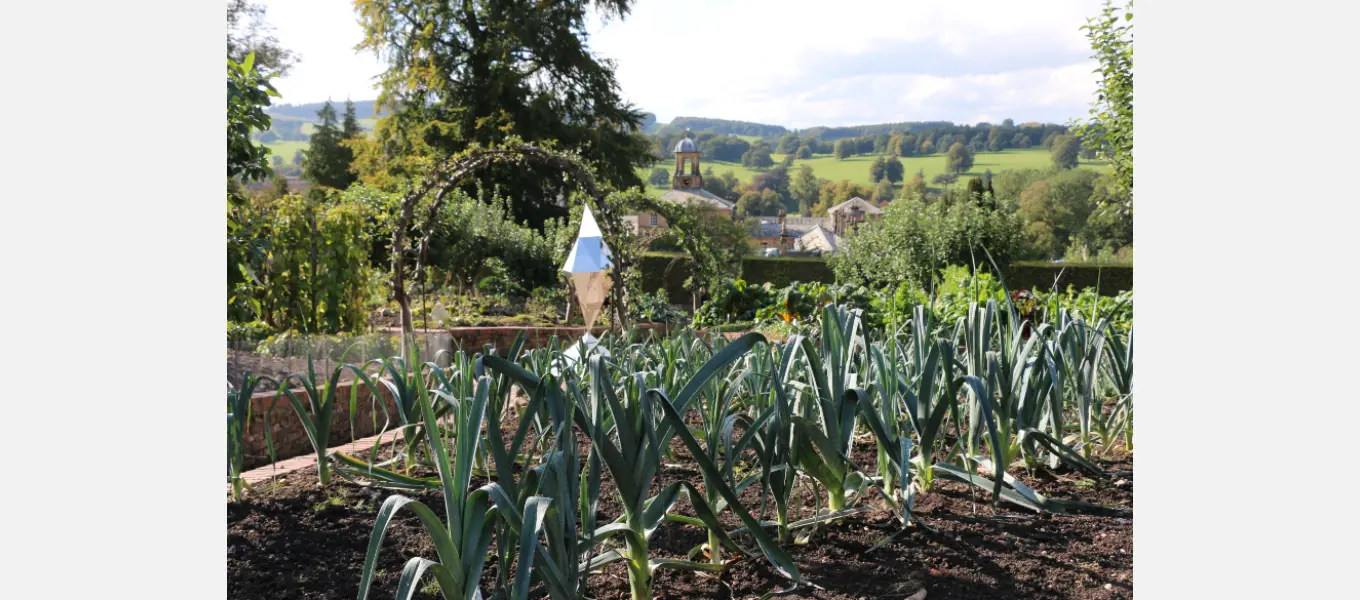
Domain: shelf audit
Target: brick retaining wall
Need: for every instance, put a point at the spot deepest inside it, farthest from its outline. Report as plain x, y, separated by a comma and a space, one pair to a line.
472, 339
289, 436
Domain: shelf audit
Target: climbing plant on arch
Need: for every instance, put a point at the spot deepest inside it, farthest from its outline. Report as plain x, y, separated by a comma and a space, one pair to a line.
421, 204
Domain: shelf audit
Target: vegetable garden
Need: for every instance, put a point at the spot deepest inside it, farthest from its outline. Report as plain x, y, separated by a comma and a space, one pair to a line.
986, 454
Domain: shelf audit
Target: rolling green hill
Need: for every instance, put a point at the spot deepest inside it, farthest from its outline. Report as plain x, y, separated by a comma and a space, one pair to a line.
856, 168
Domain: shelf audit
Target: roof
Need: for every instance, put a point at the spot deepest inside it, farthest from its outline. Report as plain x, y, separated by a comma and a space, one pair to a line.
697, 194
855, 204
795, 227
819, 239
686, 145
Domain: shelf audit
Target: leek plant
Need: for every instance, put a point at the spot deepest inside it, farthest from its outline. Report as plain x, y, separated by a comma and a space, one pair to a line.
462, 541
633, 465
713, 397
771, 434
1121, 377
316, 413
238, 421
884, 421
824, 416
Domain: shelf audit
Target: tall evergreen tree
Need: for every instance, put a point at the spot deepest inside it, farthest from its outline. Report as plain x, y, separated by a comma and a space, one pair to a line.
482, 71
326, 160
351, 129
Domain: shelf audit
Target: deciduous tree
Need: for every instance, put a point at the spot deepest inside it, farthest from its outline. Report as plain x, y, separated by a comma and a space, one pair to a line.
1111, 36
1065, 151
959, 160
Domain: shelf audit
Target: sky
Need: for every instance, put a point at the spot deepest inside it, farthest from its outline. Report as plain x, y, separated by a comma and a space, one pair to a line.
786, 62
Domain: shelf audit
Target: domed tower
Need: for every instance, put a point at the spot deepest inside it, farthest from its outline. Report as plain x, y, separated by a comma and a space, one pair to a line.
687, 150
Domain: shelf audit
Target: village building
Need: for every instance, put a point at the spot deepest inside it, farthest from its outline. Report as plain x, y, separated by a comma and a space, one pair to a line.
779, 235
687, 187
847, 215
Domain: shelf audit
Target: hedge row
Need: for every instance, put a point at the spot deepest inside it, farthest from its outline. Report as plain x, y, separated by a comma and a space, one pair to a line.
669, 271
1108, 279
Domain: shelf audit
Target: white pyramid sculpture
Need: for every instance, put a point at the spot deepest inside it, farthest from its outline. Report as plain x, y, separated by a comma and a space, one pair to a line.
587, 262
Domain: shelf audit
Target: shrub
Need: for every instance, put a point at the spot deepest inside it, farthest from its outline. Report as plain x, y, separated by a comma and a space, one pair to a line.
655, 308
914, 240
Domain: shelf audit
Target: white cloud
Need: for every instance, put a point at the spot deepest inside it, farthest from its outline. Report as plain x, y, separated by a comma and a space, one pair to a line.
800, 64
790, 62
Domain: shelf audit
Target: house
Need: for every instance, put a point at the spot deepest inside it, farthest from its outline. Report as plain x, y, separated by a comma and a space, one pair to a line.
794, 234
818, 241
687, 187
847, 215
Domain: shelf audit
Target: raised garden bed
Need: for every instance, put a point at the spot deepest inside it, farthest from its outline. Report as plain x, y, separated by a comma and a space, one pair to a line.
295, 540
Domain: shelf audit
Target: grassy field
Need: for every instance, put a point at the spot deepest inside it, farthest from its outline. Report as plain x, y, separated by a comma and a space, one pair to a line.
285, 150
856, 168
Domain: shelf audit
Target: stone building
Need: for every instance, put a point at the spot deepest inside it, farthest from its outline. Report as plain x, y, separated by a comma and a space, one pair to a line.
847, 215
687, 187
793, 234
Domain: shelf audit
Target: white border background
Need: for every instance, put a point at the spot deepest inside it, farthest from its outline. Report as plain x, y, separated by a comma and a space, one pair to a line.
1246, 116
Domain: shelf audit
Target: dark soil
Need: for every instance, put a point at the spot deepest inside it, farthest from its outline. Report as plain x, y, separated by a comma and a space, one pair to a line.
297, 541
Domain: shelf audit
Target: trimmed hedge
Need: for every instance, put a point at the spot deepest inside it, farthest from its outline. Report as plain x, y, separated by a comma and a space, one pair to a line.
1112, 279
669, 271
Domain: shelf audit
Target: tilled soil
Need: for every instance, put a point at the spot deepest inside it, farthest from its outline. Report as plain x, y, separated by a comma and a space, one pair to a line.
296, 541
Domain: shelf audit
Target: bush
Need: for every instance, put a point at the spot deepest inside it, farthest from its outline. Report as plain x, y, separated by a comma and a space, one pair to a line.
247, 333
735, 301
654, 308
914, 240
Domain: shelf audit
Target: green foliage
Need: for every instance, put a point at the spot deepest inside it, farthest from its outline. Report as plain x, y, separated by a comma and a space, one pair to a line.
724, 148
1057, 208
1108, 280
1110, 129
252, 331
486, 72
762, 203
310, 270
804, 190
660, 177
327, 160
733, 301
915, 187
655, 308
713, 244
884, 191
1066, 151
915, 239
959, 160
248, 93
803, 301
478, 239
844, 149
758, 157
249, 34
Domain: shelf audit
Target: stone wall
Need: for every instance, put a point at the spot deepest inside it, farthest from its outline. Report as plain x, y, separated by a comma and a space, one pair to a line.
472, 339
290, 437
